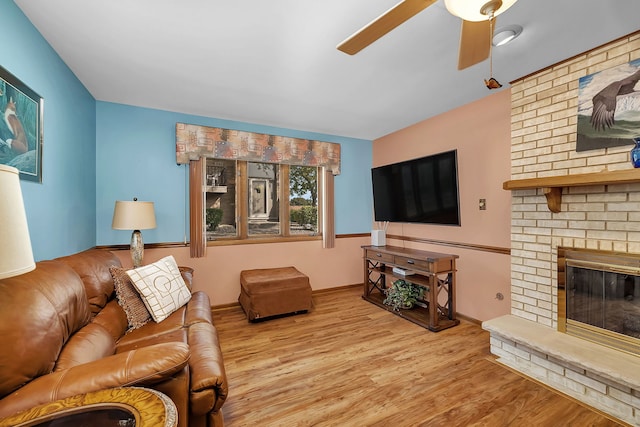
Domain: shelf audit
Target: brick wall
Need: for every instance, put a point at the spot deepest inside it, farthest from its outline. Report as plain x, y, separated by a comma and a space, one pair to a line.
543, 143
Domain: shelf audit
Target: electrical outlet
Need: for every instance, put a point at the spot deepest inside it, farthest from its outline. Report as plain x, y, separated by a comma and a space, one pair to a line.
482, 204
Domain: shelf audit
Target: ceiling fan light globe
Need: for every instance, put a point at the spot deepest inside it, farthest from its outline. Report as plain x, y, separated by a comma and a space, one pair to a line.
472, 10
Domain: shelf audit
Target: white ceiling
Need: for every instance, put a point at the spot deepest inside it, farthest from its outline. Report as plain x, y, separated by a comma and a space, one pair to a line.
275, 62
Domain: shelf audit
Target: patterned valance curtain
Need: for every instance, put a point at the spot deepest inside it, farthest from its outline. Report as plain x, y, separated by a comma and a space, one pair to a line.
194, 142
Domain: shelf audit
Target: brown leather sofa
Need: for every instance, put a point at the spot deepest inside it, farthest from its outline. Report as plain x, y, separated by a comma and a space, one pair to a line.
65, 334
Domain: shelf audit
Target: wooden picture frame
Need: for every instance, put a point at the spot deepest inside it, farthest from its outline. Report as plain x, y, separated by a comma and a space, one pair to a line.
21, 135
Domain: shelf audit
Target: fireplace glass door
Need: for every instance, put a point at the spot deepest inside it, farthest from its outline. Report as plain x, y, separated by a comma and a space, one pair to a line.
604, 299
599, 297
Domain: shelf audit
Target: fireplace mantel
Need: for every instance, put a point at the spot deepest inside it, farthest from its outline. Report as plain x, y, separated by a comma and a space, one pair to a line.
552, 185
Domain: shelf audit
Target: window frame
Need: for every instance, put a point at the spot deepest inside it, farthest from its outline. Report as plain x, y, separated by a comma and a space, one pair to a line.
242, 210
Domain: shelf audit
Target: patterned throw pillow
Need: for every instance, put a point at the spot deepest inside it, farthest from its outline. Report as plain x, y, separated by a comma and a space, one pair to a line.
161, 287
129, 299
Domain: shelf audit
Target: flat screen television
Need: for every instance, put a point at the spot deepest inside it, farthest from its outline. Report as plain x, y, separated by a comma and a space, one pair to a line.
423, 190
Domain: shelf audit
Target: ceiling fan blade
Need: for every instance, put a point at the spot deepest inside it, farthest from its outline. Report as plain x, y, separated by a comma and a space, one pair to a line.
380, 26
475, 43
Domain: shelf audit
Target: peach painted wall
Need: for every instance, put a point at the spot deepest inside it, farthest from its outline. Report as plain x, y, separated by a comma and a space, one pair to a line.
218, 274
481, 132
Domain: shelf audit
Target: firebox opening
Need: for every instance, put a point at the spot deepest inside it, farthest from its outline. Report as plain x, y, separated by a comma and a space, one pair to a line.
599, 297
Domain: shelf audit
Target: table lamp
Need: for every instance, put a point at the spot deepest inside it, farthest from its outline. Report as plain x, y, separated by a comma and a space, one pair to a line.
16, 256
136, 216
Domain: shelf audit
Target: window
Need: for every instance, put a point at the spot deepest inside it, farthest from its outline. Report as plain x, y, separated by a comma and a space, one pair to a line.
263, 198
220, 198
228, 187
252, 200
303, 200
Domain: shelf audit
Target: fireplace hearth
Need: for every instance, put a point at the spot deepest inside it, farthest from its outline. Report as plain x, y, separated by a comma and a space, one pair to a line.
599, 297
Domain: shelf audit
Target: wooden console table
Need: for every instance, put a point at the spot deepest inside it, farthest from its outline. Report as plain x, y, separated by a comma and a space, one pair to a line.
434, 271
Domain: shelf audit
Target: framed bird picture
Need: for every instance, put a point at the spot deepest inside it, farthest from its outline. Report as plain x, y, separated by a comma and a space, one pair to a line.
609, 107
20, 127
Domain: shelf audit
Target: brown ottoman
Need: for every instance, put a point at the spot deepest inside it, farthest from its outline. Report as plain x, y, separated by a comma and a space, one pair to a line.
273, 291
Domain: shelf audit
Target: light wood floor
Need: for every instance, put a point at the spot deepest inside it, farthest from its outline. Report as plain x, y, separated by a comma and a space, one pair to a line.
350, 363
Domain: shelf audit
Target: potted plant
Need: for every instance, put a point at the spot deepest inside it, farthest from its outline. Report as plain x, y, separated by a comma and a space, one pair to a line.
213, 218
403, 295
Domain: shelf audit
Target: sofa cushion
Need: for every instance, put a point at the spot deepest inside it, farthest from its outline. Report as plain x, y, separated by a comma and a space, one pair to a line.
90, 343
39, 311
161, 287
129, 299
197, 310
175, 321
93, 268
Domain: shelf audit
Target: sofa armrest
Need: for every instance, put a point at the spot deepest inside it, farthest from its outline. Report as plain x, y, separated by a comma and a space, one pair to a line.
142, 366
207, 369
198, 309
187, 276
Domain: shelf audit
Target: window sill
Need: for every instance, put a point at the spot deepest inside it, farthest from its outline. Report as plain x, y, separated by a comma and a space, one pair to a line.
262, 240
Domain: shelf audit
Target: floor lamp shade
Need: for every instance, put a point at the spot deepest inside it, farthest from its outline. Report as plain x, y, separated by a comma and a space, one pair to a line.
136, 216
16, 255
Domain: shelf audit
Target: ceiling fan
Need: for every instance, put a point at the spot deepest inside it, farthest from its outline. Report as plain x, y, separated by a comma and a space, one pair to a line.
478, 18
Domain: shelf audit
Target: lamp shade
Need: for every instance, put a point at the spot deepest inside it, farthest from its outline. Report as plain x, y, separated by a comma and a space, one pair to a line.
133, 215
16, 256
471, 10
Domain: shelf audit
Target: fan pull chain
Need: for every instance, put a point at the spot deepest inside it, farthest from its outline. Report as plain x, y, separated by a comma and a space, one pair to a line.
491, 83
491, 23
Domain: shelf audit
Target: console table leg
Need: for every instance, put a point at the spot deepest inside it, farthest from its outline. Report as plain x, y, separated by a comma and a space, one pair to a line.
433, 302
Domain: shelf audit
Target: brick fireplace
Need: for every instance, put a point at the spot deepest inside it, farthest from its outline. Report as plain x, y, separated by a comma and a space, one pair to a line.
604, 217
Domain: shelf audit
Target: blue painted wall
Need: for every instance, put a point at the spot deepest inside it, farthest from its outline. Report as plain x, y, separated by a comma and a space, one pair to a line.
136, 158
96, 152
61, 210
